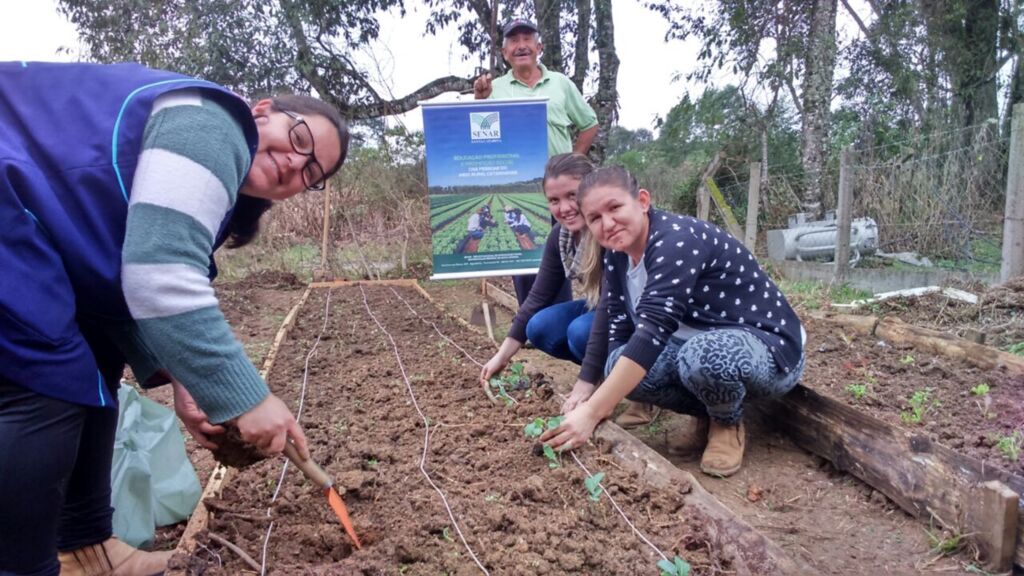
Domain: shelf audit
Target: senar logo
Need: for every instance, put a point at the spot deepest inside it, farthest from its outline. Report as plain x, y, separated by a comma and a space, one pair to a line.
484, 125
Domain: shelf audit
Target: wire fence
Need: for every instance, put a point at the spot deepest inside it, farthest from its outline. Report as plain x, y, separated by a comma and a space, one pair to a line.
940, 196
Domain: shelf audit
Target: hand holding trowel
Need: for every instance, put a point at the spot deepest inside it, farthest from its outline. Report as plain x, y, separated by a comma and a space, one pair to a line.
317, 475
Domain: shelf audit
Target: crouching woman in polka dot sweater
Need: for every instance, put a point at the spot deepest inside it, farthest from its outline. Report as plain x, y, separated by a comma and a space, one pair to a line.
695, 325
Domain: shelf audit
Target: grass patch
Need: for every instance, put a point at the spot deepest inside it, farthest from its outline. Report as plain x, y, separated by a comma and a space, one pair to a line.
814, 295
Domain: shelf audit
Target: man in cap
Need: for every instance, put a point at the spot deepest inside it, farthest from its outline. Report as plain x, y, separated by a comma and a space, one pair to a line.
528, 77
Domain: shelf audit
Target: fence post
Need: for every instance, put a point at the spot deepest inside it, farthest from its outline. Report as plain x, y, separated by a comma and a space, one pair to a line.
325, 270
844, 206
753, 206
703, 194
1013, 218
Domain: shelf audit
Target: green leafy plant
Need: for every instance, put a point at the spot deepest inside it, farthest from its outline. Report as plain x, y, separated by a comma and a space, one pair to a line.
908, 359
537, 427
593, 484
920, 404
1010, 445
513, 379
553, 460
1017, 349
980, 389
675, 567
857, 390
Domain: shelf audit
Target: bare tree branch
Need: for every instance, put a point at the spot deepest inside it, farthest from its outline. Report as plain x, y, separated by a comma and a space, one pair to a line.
409, 102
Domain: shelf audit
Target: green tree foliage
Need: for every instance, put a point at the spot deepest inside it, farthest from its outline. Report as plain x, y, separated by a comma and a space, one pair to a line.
692, 132
255, 47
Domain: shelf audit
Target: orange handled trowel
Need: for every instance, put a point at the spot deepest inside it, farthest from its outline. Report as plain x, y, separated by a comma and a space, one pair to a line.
317, 475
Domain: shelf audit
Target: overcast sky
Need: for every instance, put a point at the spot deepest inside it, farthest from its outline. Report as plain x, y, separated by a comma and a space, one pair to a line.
408, 58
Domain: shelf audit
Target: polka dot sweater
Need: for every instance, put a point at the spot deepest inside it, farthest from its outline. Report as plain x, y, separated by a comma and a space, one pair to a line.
699, 275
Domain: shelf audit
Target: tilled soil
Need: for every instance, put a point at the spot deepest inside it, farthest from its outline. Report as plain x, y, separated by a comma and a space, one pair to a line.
516, 515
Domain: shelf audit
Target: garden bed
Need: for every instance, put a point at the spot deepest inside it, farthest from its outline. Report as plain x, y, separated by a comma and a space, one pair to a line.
507, 511
979, 412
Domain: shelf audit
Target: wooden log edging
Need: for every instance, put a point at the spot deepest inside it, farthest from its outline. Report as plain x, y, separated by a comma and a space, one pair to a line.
200, 518
895, 330
924, 478
750, 551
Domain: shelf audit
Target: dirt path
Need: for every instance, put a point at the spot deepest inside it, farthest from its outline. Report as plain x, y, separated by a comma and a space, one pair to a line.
830, 519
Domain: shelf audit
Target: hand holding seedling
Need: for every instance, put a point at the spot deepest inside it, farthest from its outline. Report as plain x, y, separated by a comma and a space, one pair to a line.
581, 391
575, 429
499, 361
193, 417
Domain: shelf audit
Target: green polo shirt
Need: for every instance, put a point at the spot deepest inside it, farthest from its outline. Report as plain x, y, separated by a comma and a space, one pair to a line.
566, 106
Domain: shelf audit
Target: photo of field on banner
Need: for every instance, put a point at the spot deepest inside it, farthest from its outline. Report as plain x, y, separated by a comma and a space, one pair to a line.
485, 169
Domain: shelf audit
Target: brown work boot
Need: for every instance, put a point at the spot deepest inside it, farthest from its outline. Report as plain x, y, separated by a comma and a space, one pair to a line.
637, 414
112, 557
690, 438
724, 454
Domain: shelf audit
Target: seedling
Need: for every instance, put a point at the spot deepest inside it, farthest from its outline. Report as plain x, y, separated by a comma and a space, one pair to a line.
858, 390
980, 389
372, 463
908, 359
446, 535
593, 484
675, 567
919, 406
549, 453
514, 379
537, 427
1017, 349
1010, 446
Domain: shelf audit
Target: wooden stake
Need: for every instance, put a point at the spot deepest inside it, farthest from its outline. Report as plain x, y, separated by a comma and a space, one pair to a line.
324, 256
753, 206
487, 321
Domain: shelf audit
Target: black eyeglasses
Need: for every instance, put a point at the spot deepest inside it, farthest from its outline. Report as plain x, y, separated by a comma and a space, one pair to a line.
301, 137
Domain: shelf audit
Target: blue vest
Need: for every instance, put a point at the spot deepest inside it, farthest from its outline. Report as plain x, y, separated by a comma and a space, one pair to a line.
70, 137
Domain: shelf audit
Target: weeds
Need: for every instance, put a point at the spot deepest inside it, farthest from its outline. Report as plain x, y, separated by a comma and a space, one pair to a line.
945, 542
1010, 445
857, 390
1017, 349
980, 389
908, 359
920, 404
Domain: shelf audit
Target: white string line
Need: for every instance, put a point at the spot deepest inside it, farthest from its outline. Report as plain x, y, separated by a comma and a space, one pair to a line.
573, 452
298, 416
619, 510
441, 334
426, 433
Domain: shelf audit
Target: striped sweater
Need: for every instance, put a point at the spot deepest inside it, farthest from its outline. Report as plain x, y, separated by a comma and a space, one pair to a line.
193, 162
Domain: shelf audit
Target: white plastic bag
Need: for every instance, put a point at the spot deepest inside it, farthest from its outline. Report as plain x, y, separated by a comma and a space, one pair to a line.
152, 481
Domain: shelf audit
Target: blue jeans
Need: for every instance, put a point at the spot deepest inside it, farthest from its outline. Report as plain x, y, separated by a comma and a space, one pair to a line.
561, 330
712, 374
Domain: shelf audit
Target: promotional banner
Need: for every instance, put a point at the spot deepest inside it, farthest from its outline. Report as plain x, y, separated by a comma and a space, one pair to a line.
485, 167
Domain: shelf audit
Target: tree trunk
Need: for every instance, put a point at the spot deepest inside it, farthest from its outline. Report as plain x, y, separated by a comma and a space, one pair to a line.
606, 102
819, 67
549, 22
582, 53
981, 38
